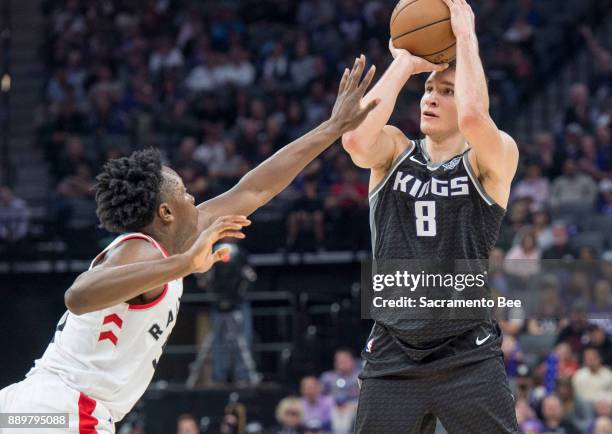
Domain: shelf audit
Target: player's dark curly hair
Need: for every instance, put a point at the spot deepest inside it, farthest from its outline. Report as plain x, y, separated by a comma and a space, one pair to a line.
128, 191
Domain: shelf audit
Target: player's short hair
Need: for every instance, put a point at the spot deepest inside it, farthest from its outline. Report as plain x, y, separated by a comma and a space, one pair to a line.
128, 191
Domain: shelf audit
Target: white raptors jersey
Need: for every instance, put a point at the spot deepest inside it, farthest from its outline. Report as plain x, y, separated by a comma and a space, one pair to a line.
111, 354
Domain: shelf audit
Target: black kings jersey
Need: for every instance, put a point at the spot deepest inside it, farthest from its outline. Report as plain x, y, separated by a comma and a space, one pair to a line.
432, 214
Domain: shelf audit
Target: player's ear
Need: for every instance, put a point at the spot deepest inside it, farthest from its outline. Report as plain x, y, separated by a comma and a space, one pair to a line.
165, 213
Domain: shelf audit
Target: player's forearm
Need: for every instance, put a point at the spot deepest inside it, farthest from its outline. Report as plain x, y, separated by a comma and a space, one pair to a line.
471, 91
386, 90
102, 287
276, 173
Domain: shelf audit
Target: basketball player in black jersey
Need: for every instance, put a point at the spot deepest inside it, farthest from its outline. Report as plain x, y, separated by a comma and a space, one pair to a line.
441, 197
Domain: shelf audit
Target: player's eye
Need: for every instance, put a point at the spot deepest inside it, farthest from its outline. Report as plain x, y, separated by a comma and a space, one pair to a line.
449, 91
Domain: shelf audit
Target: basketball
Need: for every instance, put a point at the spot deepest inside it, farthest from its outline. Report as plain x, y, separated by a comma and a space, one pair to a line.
423, 27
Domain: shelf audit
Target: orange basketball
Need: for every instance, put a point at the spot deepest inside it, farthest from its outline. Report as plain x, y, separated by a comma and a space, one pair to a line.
423, 27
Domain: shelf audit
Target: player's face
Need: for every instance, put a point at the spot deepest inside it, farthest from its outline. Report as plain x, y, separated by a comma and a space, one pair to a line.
438, 107
182, 204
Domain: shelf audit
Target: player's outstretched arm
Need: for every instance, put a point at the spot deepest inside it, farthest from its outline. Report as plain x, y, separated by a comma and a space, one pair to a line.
135, 267
495, 152
372, 144
272, 176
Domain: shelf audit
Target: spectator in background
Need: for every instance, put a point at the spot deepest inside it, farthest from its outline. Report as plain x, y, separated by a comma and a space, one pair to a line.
342, 385
231, 168
187, 424
533, 186
578, 289
14, 216
602, 425
601, 303
579, 107
524, 385
518, 212
575, 410
526, 417
566, 364
342, 381
347, 203
550, 309
302, 67
239, 71
316, 406
593, 381
542, 229
290, 416
254, 428
573, 189
523, 260
71, 156
547, 154
165, 55
560, 249
602, 57
276, 65
591, 160
552, 415
598, 337
513, 356
314, 427
573, 332
605, 189
306, 215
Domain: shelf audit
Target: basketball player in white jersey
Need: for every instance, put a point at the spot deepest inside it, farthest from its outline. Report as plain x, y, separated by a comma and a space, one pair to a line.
121, 311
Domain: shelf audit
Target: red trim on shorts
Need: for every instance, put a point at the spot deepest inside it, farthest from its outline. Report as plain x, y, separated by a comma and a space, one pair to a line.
87, 422
150, 304
108, 335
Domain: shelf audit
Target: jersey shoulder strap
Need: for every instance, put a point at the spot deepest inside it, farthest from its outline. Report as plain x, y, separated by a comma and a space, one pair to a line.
125, 237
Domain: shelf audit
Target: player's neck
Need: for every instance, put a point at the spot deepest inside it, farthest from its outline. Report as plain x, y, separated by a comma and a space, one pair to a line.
162, 236
442, 149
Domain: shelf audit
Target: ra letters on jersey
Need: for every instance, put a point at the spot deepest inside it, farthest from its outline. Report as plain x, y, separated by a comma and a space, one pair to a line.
407, 183
156, 330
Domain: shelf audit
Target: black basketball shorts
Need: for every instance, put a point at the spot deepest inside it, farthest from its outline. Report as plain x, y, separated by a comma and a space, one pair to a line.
472, 399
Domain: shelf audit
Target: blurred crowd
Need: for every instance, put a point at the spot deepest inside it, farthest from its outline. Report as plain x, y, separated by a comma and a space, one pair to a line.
326, 404
219, 87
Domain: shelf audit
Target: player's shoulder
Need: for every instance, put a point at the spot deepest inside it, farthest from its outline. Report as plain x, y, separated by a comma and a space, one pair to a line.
511, 148
131, 250
509, 141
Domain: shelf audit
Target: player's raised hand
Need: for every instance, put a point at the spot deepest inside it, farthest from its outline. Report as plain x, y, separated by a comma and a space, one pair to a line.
415, 64
462, 18
348, 112
200, 255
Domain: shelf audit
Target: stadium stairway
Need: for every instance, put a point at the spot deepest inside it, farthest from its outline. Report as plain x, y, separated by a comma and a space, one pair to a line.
30, 175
